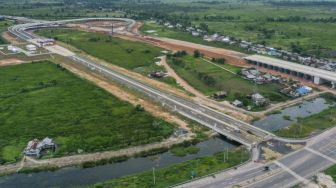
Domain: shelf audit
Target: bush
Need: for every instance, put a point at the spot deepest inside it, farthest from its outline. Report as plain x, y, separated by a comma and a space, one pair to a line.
197, 54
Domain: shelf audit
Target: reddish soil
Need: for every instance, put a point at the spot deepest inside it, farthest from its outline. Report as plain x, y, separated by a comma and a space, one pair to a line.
11, 61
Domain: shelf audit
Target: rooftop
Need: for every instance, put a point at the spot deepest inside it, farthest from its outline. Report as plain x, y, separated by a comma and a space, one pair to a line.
324, 74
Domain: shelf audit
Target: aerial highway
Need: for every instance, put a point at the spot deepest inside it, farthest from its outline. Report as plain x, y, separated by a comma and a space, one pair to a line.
234, 129
293, 168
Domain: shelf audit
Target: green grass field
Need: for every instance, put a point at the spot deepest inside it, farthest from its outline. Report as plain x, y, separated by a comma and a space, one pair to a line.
161, 31
128, 54
171, 175
135, 56
41, 99
222, 80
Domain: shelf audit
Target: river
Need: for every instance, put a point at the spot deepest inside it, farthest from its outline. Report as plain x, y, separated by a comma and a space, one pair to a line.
76, 176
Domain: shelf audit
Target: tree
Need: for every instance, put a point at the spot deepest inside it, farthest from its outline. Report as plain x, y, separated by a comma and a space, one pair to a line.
197, 54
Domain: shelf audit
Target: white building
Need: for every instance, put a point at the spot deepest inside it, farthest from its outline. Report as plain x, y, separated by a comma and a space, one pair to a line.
31, 47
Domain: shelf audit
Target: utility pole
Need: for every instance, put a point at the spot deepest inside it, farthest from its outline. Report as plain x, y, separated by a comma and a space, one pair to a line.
241, 155
154, 175
227, 154
224, 156
112, 29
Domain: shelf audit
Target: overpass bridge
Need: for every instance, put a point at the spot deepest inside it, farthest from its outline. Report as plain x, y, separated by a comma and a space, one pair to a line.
316, 75
223, 124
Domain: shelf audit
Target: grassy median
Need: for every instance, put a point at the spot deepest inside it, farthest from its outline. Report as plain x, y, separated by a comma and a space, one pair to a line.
42, 99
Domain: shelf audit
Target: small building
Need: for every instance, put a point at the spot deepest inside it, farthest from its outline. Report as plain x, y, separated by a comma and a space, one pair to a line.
12, 49
157, 74
304, 90
31, 47
46, 42
35, 147
237, 103
258, 99
195, 33
180, 132
220, 95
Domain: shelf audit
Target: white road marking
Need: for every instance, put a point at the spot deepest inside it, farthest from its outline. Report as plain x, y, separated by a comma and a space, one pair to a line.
297, 176
321, 154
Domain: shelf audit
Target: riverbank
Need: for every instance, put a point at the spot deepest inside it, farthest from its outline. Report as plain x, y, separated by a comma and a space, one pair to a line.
118, 167
61, 162
182, 172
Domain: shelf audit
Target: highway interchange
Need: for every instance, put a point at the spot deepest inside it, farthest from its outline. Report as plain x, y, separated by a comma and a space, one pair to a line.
291, 169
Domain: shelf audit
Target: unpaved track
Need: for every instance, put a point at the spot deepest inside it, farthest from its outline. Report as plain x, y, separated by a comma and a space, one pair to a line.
202, 99
11, 61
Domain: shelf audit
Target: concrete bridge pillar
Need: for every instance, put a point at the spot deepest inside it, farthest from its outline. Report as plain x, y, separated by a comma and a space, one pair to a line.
318, 80
333, 85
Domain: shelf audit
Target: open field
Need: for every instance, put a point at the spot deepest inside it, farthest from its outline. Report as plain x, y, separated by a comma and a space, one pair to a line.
42, 99
306, 126
135, 56
171, 175
195, 70
289, 26
162, 31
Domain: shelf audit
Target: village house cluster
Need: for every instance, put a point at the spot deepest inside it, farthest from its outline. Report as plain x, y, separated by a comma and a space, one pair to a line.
325, 64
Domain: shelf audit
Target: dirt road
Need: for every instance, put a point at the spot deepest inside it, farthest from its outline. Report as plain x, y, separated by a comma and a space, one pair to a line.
10, 61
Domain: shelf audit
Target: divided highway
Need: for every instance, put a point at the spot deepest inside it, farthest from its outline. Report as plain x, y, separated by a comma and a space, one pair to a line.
234, 129
296, 167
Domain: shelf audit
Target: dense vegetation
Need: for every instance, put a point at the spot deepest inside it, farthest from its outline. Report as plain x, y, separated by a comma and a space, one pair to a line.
43, 100
332, 172
171, 175
209, 78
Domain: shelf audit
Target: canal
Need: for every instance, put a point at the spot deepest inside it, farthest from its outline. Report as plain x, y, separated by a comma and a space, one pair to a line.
76, 176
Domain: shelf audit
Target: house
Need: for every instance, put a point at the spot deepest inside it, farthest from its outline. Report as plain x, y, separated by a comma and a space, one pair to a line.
34, 147
237, 103
195, 33
220, 95
304, 90
46, 42
258, 99
226, 40
157, 74
31, 47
